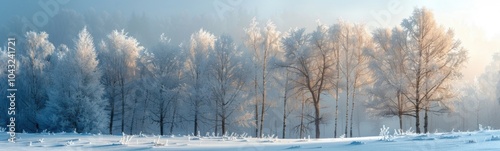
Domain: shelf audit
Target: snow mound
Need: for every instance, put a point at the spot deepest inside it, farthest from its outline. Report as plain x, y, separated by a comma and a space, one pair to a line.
70, 141
423, 138
357, 143
449, 136
293, 147
471, 141
494, 138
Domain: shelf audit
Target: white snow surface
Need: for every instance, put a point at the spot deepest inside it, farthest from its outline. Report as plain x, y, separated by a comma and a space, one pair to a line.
478, 140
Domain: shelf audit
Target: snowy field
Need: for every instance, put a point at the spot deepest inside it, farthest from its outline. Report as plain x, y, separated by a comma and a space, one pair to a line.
477, 140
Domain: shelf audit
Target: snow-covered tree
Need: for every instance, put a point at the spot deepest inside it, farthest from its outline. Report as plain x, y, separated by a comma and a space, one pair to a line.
473, 106
35, 62
489, 81
284, 79
60, 98
253, 41
335, 79
320, 43
264, 44
353, 40
431, 60
77, 100
388, 62
197, 70
227, 78
480, 98
270, 47
163, 63
118, 56
145, 93
311, 63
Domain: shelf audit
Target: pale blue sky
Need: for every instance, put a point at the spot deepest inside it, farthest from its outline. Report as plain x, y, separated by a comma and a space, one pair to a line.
475, 22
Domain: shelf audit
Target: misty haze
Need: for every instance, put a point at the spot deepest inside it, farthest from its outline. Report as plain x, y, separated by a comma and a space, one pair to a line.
249, 75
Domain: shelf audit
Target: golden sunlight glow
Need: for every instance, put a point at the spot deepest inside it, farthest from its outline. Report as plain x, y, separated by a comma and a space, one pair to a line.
485, 16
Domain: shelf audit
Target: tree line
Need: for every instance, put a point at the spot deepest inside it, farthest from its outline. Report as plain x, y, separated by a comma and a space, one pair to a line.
211, 83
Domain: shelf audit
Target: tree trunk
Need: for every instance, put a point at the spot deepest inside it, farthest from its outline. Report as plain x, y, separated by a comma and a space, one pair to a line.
146, 107
347, 74
173, 119
400, 116
400, 110
223, 125
256, 118
162, 122
196, 113
112, 115
284, 122
123, 103
134, 110
301, 127
317, 118
426, 120
336, 111
417, 119
284, 105
263, 107
216, 119
347, 108
337, 94
256, 105
196, 120
352, 109
417, 105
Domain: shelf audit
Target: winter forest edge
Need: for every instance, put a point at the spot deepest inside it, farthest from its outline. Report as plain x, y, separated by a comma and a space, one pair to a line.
104, 75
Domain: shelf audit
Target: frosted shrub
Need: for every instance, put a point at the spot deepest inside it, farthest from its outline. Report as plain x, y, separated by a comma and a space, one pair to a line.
400, 132
384, 132
231, 137
482, 129
126, 139
158, 143
342, 136
242, 136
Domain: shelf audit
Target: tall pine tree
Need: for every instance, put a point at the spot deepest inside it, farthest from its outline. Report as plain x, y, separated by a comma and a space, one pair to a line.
76, 102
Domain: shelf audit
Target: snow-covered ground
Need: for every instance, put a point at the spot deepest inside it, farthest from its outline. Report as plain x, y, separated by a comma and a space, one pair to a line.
478, 140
